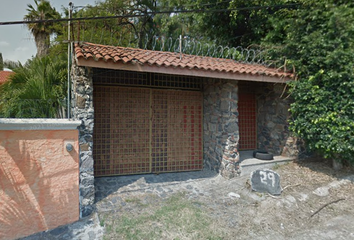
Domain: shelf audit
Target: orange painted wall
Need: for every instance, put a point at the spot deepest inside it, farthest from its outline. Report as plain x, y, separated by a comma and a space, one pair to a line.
39, 181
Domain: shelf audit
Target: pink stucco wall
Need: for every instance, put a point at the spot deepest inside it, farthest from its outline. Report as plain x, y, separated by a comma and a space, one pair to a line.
39, 181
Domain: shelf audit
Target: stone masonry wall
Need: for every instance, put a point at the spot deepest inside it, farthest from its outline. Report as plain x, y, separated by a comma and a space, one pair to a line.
221, 134
82, 109
272, 117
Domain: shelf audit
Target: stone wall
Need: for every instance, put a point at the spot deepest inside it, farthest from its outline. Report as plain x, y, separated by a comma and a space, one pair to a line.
82, 109
220, 122
272, 117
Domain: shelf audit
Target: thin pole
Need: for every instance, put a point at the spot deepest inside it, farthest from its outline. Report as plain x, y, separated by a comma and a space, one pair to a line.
69, 53
180, 46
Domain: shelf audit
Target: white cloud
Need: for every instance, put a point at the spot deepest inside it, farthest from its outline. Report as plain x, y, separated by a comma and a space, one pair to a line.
22, 49
4, 44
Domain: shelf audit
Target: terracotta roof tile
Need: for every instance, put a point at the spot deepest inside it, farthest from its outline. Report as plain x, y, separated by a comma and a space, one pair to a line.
4, 76
170, 59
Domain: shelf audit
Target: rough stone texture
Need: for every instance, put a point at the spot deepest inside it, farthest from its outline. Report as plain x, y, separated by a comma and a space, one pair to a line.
221, 133
292, 147
266, 181
82, 109
81, 102
88, 228
38, 181
272, 120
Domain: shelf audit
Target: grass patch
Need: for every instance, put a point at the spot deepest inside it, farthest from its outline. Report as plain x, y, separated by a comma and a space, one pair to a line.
276, 166
175, 218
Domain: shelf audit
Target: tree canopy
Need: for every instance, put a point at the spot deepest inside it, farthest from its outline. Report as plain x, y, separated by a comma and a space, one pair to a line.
41, 31
36, 89
314, 37
319, 42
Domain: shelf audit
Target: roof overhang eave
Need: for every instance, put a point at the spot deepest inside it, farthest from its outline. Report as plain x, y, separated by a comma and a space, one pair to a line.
180, 71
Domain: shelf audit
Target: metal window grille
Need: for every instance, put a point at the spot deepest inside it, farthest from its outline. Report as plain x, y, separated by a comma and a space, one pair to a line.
151, 80
247, 116
142, 130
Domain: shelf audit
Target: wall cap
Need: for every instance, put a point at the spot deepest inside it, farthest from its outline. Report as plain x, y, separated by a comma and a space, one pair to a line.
38, 124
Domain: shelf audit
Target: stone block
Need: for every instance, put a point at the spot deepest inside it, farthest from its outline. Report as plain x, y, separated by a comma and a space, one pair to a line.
224, 105
87, 180
212, 127
225, 94
86, 211
214, 119
231, 127
84, 147
87, 192
87, 164
266, 181
80, 102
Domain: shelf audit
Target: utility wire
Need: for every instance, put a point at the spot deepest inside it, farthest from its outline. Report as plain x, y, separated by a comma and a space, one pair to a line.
172, 7
150, 13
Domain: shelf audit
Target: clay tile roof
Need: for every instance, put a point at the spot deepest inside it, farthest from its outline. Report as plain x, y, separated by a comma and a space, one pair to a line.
96, 52
4, 76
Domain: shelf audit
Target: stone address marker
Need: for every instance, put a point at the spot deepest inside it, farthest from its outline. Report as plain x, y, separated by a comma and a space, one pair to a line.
266, 180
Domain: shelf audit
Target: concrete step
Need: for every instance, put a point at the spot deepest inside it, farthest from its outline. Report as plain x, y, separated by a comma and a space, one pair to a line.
249, 164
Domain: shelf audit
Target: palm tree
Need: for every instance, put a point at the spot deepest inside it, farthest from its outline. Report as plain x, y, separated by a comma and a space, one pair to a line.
37, 89
1, 63
42, 30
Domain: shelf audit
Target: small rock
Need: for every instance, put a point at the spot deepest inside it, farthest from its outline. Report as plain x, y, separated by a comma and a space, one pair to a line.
266, 180
337, 165
303, 197
233, 195
321, 191
92, 235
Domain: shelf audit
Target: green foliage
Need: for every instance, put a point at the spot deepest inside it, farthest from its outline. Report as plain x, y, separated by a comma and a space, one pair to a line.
319, 40
124, 31
42, 11
316, 38
42, 30
176, 218
36, 90
204, 26
1, 62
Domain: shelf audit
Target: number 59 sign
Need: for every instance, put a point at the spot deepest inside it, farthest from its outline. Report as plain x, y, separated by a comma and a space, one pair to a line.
266, 181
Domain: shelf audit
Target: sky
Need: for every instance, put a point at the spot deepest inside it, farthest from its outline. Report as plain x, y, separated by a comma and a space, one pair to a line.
16, 41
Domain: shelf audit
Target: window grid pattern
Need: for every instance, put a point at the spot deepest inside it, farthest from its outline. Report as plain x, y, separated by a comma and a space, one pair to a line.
176, 131
247, 117
121, 132
140, 130
151, 80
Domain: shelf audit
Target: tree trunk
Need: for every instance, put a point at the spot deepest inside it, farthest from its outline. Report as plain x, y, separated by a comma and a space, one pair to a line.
42, 44
1, 63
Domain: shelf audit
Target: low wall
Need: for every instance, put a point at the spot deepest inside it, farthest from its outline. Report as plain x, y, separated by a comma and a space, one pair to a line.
39, 175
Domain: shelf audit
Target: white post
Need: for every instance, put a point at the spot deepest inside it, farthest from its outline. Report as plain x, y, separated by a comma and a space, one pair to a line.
180, 46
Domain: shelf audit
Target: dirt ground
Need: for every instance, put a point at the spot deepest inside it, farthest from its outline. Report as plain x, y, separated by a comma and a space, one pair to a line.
317, 202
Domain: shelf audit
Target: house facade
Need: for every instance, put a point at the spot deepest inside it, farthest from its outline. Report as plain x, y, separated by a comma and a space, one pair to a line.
152, 112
